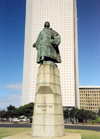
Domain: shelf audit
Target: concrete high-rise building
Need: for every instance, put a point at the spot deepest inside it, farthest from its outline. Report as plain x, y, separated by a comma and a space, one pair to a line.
62, 15
90, 97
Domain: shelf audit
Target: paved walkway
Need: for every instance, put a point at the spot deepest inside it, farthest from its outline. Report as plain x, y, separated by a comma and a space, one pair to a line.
26, 135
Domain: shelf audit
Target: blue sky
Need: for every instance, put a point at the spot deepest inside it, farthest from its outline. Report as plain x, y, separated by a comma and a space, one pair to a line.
89, 42
12, 28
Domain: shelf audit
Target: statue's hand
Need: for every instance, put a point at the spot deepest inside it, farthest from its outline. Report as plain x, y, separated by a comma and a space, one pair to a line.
34, 45
55, 40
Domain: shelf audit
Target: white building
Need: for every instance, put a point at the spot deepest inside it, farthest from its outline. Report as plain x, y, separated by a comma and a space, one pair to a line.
62, 15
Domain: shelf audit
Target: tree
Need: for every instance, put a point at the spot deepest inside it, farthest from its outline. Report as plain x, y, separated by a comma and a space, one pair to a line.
98, 113
10, 111
2, 114
10, 107
26, 110
85, 115
73, 112
98, 119
80, 115
66, 113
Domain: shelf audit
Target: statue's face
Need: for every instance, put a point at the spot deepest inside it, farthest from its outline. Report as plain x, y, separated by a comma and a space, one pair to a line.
47, 25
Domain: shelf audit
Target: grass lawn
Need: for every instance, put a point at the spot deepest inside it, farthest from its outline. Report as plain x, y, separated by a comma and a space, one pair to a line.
85, 134
4, 131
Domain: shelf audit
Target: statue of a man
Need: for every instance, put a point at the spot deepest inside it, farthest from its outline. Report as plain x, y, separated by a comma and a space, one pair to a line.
47, 45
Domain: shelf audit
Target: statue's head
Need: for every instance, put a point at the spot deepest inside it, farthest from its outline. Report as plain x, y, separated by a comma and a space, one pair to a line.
46, 24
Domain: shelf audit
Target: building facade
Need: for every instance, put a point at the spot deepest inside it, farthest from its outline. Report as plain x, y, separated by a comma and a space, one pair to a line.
90, 98
62, 15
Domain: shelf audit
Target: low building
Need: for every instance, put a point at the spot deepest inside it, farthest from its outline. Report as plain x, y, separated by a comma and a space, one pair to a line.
90, 98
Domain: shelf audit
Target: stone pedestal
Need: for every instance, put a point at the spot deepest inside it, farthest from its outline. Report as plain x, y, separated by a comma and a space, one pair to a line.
48, 112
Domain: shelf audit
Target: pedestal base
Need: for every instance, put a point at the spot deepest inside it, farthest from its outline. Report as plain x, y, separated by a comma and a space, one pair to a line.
48, 118
27, 135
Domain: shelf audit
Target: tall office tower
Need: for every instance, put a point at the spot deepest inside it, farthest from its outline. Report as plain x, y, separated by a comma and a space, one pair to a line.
62, 15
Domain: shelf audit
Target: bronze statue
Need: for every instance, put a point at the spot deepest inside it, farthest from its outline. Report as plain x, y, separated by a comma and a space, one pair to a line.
47, 45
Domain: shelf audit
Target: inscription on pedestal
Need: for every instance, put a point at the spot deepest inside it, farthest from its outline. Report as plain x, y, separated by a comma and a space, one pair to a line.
44, 107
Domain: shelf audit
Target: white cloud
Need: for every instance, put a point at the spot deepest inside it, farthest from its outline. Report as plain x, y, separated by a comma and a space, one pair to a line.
12, 99
14, 86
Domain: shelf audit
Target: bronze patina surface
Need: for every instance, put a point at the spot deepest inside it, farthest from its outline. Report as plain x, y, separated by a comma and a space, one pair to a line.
47, 45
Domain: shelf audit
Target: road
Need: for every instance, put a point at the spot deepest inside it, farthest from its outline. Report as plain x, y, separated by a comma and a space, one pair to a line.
83, 127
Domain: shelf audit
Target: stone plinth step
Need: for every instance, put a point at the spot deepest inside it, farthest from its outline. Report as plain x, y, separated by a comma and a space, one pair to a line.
27, 135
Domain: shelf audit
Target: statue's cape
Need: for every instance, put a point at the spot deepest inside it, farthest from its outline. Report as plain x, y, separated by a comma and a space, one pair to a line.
47, 45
